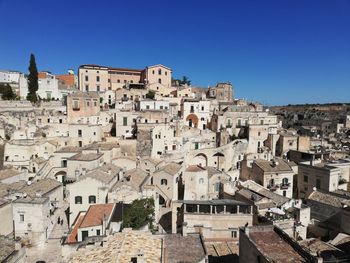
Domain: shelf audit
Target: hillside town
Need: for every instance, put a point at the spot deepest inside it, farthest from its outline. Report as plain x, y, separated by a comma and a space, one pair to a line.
112, 164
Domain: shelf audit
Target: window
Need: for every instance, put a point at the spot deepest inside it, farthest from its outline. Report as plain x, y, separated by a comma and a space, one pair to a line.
174, 147
217, 187
201, 181
318, 183
166, 73
125, 121
202, 108
285, 181
259, 133
21, 218
80, 143
88, 103
159, 72
164, 182
272, 182
98, 78
284, 193
76, 105
166, 148
95, 103
80, 133
98, 232
153, 72
118, 81
78, 200
234, 234
306, 179
161, 107
86, 78
109, 80
196, 145
98, 87
192, 108
147, 107
92, 199
160, 81
86, 87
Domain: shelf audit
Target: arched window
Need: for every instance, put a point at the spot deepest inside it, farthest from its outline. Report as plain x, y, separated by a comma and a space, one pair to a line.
201, 181
78, 200
164, 182
272, 182
92, 199
285, 181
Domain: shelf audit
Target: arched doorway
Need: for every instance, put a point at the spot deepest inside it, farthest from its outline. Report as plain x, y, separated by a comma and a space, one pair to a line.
192, 120
201, 159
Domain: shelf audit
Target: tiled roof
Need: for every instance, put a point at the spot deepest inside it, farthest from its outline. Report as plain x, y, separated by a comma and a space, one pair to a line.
195, 168
86, 157
68, 79
327, 199
274, 248
178, 248
121, 247
170, 168
7, 173
96, 214
7, 247
73, 235
278, 166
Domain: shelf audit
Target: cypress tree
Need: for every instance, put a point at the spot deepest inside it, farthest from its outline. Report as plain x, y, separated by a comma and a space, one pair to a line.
32, 80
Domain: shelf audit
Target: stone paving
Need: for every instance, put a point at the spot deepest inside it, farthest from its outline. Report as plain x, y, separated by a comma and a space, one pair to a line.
50, 251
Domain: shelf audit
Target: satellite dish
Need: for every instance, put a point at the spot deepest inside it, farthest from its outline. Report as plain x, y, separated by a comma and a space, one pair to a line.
29, 183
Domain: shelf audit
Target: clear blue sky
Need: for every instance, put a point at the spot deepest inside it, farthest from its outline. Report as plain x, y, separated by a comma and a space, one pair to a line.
276, 52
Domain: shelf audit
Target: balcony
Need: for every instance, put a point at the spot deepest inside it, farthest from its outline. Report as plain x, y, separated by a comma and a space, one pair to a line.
272, 187
285, 186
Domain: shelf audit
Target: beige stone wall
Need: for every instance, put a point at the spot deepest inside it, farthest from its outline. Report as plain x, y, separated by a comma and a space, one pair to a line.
88, 107
159, 72
92, 83
6, 226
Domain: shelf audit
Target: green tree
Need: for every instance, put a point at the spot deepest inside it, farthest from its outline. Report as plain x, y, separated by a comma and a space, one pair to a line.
139, 213
32, 80
7, 92
185, 81
150, 95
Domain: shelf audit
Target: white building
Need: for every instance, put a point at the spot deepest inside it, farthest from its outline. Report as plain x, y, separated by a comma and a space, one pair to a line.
196, 113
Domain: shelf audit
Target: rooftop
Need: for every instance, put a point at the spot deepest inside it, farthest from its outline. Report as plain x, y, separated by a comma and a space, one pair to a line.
327, 199
195, 168
7, 247
96, 214
273, 247
170, 168
7, 173
121, 247
86, 157
277, 165
178, 248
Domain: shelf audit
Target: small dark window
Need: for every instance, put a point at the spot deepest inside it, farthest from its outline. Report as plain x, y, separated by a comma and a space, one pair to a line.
92, 199
164, 182
78, 200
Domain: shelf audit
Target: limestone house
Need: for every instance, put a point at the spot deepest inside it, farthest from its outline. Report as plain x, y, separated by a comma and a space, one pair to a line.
214, 219
92, 188
83, 107
166, 179
99, 220
130, 187
275, 175
34, 210
196, 113
165, 141
80, 163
